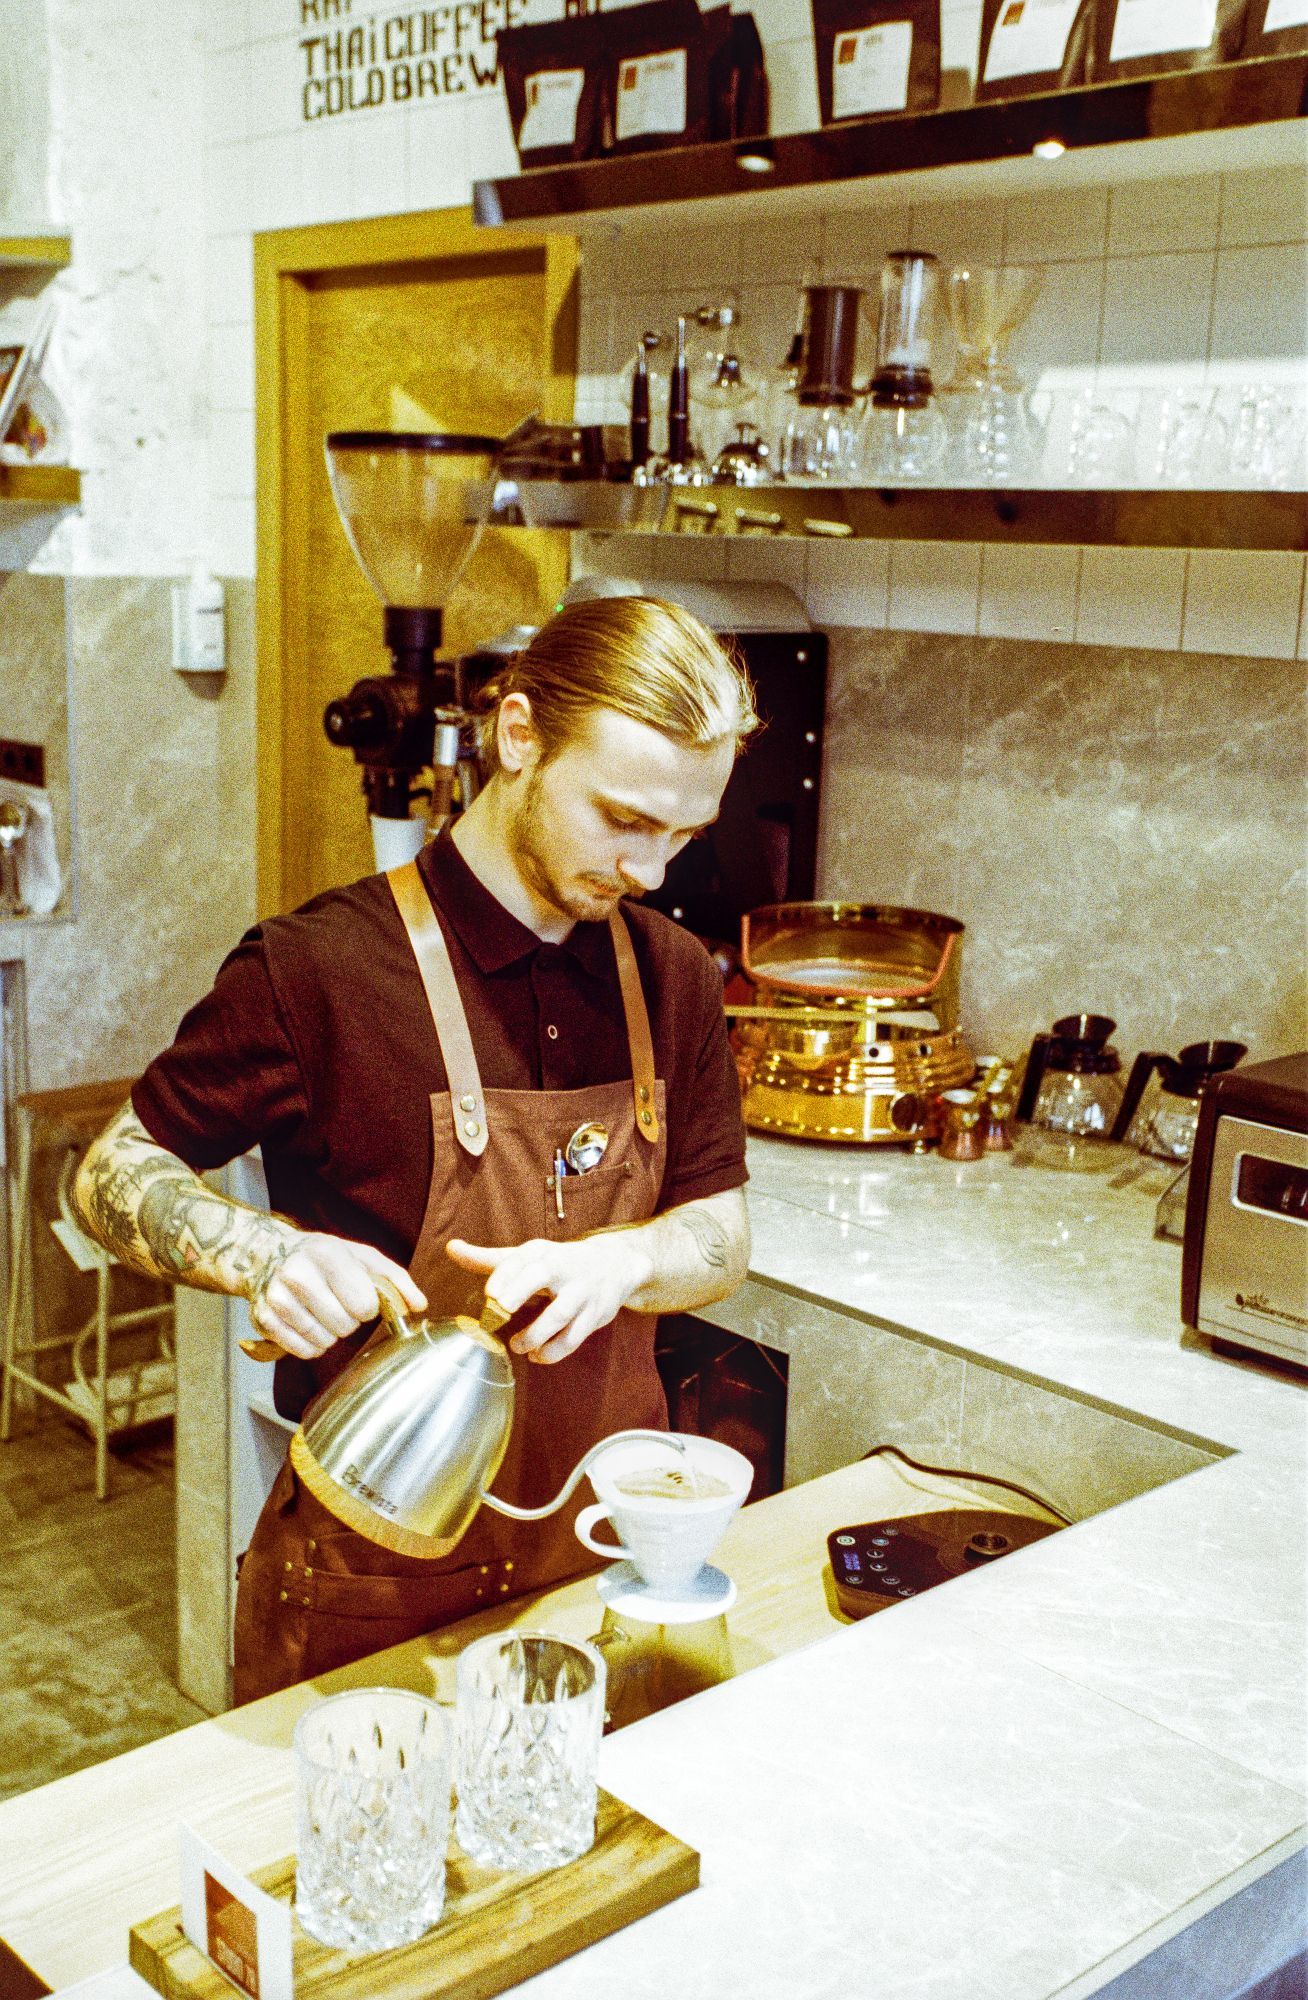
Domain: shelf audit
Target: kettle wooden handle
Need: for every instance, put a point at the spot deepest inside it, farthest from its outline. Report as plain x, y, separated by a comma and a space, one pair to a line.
263, 1350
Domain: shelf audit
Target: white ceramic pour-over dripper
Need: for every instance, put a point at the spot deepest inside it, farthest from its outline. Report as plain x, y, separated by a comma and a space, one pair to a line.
664, 1544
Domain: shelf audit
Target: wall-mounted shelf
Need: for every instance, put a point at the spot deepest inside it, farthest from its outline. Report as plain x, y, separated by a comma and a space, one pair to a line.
1084, 516
1246, 113
35, 253
45, 486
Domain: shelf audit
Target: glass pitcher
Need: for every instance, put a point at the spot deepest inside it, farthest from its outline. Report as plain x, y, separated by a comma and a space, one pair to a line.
1071, 1093
1163, 1121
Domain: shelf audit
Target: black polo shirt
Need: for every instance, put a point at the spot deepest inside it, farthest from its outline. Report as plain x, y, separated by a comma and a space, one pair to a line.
317, 1045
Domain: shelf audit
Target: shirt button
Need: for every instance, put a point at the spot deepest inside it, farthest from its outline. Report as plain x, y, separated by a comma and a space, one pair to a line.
552, 1032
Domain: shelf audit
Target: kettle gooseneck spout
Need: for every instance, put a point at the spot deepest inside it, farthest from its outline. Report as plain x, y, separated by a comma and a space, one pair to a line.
578, 1471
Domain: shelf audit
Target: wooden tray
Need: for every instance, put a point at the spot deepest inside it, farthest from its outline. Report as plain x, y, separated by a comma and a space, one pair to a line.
496, 1930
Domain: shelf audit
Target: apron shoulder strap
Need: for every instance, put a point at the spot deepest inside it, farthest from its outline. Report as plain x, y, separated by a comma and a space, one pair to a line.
638, 1034
467, 1104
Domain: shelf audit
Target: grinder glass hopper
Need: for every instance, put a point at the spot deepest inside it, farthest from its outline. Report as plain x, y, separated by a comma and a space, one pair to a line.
403, 501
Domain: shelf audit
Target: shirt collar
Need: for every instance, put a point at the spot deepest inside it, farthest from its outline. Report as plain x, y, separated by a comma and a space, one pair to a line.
491, 935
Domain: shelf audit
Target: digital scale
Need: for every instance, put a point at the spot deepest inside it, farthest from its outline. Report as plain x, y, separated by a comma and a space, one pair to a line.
879, 1563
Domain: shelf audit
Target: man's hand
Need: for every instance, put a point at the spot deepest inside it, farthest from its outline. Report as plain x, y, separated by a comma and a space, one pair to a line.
320, 1289
687, 1257
589, 1281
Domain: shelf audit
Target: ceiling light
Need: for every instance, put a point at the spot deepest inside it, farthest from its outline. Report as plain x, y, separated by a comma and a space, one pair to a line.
1049, 149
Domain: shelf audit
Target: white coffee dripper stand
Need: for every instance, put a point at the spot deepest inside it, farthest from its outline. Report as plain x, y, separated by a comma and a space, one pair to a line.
664, 1635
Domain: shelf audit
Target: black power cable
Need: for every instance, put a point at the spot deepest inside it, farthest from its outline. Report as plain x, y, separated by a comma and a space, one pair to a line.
982, 1478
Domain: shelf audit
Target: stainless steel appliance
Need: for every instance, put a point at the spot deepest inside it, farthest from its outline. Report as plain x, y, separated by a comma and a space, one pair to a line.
402, 501
1244, 1268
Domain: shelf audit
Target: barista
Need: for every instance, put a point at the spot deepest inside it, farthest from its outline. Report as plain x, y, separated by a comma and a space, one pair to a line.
414, 1054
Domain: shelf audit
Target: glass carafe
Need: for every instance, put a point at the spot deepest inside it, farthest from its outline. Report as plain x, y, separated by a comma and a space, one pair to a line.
1161, 1118
1071, 1093
996, 439
905, 435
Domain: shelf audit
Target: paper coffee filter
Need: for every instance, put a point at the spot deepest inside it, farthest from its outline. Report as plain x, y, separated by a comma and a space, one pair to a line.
706, 1454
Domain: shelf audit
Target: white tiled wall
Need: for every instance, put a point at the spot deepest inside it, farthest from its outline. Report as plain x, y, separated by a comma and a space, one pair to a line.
1199, 282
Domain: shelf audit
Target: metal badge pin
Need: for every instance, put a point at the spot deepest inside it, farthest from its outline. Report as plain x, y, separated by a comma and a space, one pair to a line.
586, 1148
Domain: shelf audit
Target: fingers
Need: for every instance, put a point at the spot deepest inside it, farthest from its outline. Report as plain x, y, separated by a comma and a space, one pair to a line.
472, 1256
323, 1291
279, 1316
382, 1266
519, 1271
553, 1319
567, 1342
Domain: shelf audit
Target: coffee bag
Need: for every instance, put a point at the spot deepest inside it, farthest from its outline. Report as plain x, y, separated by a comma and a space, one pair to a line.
876, 57
656, 73
1029, 47
553, 82
1135, 38
1276, 28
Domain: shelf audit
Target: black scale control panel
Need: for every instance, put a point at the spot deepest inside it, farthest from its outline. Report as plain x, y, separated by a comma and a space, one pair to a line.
879, 1563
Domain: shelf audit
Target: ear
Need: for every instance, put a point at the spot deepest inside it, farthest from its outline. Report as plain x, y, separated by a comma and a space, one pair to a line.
515, 735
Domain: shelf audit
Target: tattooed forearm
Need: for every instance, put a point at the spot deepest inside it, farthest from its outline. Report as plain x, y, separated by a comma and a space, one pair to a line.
708, 1234
157, 1216
698, 1252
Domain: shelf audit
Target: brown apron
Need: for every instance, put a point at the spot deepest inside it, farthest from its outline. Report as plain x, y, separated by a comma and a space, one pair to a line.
314, 1595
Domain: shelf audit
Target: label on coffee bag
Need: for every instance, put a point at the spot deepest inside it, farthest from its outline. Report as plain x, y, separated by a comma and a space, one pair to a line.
869, 69
1161, 27
651, 94
553, 96
1285, 14
1029, 38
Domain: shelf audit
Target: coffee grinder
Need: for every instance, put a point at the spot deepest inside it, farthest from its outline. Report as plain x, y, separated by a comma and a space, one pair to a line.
403, 501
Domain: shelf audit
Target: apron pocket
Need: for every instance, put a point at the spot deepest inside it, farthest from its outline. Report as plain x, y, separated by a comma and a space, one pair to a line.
353, 1616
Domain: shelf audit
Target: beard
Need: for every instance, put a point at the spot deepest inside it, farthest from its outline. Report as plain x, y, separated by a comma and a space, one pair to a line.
583, 898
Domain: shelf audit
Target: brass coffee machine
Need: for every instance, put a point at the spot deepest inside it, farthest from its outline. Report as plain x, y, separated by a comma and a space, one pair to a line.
851, 1028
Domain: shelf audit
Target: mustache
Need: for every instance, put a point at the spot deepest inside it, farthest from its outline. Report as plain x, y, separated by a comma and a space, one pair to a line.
616, 888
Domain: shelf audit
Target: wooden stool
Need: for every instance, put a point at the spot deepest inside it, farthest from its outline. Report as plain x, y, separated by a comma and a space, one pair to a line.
104, 1402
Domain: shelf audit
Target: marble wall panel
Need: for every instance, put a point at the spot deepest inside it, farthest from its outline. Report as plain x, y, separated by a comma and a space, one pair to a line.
852, 1384
164, 777
160, 812
1120, 830
1082, 1458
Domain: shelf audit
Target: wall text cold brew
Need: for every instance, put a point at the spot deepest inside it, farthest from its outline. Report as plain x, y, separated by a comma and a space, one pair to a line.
397, 58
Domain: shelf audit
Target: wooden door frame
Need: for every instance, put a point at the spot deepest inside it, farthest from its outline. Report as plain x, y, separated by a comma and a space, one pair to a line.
284, 259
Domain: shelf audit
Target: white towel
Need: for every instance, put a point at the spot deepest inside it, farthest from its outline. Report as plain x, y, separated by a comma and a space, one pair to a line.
40, 878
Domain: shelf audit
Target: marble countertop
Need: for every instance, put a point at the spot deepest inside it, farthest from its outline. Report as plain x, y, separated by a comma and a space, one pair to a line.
1012, 1788
1015, 1788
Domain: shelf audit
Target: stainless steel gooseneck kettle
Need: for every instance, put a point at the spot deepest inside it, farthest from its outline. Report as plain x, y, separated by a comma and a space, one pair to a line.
403, 1445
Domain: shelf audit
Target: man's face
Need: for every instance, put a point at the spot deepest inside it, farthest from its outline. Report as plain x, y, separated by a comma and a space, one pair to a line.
605, 816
